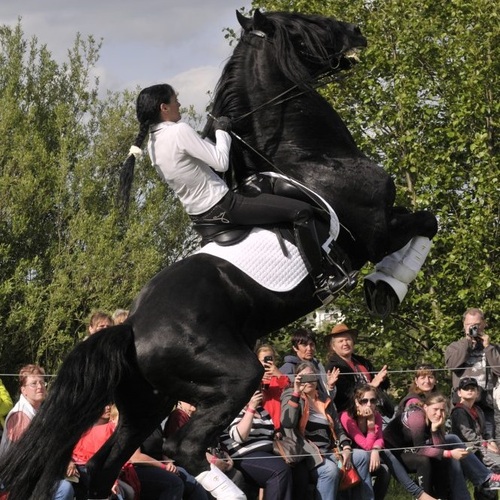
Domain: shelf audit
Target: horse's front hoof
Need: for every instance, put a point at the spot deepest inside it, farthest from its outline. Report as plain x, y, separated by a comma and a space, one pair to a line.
381, 299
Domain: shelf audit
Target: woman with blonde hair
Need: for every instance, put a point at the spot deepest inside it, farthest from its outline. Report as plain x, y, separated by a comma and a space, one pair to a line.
273, 383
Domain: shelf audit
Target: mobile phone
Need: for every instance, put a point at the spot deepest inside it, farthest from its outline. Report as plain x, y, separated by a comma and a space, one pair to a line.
268, 359
308, 378
469, 448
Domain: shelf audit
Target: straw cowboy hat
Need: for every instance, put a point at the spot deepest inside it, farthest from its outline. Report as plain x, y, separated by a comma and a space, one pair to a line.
341, 328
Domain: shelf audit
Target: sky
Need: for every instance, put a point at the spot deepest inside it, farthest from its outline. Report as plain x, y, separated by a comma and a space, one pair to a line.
144, 42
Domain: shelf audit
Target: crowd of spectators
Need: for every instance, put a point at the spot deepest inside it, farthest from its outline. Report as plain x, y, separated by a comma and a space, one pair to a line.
342, 415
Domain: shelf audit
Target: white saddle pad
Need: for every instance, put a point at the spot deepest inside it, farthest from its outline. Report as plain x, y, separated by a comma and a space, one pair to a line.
260, 256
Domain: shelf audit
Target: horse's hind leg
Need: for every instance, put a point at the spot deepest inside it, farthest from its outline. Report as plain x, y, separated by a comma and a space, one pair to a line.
231, 375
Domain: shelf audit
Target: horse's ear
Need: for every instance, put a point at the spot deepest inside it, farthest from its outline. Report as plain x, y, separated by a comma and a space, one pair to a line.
261, 23
245, 22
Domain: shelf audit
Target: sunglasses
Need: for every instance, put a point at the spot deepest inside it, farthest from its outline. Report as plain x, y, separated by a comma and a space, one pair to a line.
365, 401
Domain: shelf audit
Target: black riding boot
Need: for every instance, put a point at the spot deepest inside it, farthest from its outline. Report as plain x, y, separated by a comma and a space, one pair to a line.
328, 280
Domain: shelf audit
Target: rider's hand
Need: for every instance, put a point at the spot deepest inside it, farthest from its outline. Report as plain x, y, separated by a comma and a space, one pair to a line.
223, 123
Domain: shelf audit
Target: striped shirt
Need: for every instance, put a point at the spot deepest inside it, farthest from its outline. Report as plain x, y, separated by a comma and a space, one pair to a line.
260, 437
318, 430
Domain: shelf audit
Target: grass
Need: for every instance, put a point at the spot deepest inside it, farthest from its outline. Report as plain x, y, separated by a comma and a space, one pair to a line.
397, 492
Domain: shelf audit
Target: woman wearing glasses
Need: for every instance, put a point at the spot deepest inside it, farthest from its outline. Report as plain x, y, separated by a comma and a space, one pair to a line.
363, 424
33, 392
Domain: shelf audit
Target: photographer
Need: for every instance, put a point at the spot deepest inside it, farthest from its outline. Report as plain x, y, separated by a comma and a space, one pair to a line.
474, 356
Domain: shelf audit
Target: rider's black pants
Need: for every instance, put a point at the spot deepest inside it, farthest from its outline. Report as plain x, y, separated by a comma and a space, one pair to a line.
263, 209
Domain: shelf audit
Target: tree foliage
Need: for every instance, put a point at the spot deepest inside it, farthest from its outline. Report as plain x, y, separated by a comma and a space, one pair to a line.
424, 103
65, 250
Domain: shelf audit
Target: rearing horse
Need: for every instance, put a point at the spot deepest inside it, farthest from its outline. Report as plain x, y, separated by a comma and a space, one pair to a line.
192, 328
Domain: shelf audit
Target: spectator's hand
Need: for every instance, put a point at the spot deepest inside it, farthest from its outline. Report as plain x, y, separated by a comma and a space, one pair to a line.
380, 377
374, 460
366, 412
171, 467
486, 339
437, 423
271, 370
223, 123
297, 384
332, 377
256, 400
493, 447
115, 488
346, 458
72, 470
459, 453
224, 464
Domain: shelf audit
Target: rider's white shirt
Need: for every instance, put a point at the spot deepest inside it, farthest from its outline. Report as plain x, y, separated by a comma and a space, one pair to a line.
183, 159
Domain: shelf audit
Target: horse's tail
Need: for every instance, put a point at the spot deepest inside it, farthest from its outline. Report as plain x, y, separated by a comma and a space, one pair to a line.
84, 385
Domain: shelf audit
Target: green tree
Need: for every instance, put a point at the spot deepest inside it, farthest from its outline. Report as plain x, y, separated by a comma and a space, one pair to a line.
64, 248
422, 103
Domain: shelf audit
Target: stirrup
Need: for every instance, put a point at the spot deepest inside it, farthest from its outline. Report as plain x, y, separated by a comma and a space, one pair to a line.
329, 286
342, 271
342, 274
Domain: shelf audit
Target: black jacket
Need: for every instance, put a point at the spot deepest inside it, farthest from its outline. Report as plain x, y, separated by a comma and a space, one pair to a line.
349, 379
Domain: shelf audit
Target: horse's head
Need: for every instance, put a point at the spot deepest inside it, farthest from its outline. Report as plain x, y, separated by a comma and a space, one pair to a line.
305, 47
267, 89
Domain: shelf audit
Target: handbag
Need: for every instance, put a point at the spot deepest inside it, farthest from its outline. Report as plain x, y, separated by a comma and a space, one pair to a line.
289, 448
348, 477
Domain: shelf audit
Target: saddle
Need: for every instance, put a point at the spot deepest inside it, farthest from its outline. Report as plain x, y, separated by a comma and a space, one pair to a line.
231, 234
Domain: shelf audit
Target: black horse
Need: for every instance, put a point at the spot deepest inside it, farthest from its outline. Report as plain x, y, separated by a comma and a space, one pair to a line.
192, 328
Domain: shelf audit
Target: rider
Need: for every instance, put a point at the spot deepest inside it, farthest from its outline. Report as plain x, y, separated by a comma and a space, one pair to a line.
187, 163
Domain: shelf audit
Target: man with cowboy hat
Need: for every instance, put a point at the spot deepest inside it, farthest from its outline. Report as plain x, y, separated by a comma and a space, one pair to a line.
354, 369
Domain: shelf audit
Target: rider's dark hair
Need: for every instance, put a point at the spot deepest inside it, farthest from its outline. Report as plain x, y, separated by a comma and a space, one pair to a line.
147, 108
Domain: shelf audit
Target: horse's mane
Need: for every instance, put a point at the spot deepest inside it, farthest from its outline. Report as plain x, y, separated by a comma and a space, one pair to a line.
283, 27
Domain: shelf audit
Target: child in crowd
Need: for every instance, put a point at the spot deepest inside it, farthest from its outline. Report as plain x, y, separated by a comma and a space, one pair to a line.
273, 383
99, 321
468, 423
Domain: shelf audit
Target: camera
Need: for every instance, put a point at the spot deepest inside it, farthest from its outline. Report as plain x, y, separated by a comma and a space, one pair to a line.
474, 331
268, 359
